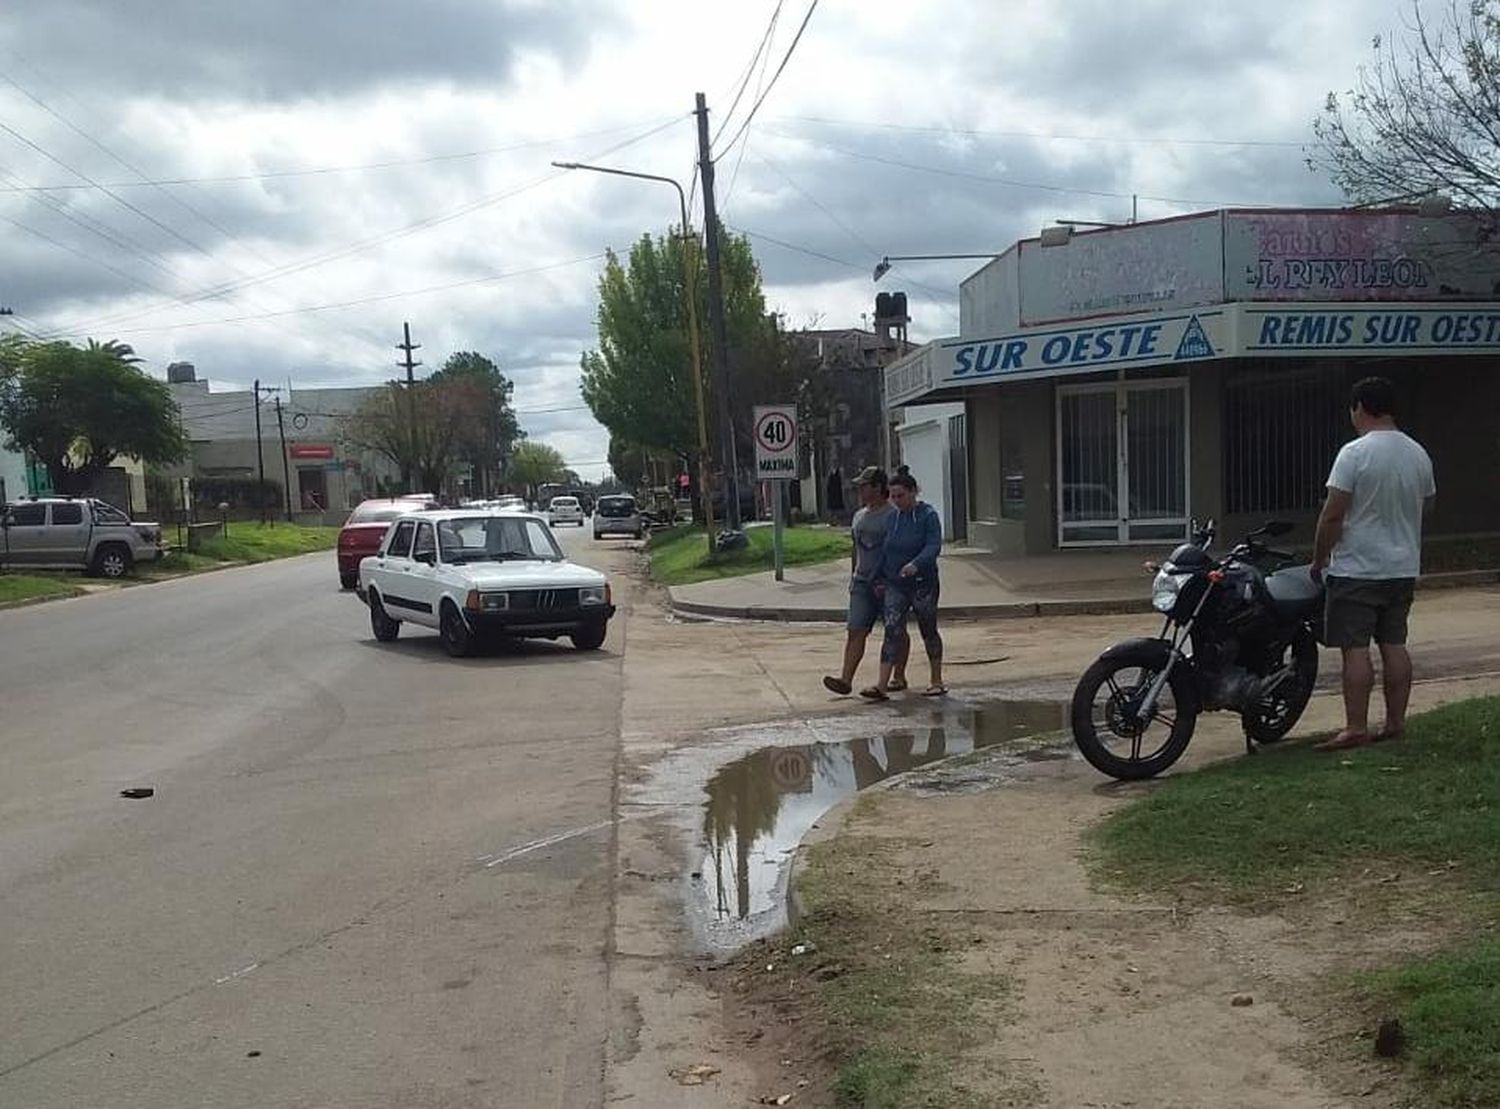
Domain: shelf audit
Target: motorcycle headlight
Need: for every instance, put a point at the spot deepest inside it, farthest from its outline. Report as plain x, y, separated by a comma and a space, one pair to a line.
1165, 589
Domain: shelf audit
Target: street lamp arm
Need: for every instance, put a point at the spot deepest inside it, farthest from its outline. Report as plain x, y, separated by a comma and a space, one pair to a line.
681, 196
884, 265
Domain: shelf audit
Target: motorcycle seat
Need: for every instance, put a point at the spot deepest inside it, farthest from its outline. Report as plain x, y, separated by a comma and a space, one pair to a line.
1294, 592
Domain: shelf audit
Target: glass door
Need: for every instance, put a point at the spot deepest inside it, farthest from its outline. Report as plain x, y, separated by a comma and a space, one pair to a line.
1088, 443
1122, 463
1155, 461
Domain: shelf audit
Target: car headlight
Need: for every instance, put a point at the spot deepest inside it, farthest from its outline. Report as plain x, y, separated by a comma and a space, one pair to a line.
1165, 590
594, 595
487, 602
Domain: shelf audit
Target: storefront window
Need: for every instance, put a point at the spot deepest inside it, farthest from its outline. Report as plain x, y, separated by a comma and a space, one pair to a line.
1282, 428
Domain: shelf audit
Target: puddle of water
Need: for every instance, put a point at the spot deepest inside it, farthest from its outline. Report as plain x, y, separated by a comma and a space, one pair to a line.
759, 807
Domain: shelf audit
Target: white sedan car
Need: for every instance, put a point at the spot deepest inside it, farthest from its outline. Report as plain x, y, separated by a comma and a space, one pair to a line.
470, 573
565, 510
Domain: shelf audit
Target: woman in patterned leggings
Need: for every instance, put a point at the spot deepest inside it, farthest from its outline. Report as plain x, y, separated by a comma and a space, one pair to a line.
908, 569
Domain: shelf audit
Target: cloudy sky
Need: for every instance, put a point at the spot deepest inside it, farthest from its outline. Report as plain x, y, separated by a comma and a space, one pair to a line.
269, 189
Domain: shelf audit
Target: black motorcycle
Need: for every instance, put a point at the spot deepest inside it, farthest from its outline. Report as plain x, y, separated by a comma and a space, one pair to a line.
1241, 634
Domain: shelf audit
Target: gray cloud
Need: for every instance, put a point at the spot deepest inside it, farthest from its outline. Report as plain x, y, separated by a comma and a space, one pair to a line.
273, 50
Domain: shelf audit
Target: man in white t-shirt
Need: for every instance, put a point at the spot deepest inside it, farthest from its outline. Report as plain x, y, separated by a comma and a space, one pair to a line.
1369, 553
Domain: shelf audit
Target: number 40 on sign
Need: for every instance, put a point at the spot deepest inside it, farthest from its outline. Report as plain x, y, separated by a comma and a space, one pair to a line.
775, 441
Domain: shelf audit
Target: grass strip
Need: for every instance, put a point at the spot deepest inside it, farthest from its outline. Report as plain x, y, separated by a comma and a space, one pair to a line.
679, 556
25, 587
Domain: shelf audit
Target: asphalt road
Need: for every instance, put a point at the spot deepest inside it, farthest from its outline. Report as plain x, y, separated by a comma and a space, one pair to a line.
336, 896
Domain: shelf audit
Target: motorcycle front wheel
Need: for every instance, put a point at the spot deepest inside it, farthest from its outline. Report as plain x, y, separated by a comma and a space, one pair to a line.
1110, 734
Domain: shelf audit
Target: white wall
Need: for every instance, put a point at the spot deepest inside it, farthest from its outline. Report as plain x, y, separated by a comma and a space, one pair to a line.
13, 470
924, 450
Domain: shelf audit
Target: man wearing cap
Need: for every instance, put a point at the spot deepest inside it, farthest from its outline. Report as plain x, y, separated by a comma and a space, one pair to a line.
865, 601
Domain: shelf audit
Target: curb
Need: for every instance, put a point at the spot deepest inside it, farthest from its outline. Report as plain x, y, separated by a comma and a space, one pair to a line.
1010, 610
1013, 610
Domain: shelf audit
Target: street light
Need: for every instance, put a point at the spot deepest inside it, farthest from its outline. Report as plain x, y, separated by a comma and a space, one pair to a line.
692, 305
883, 266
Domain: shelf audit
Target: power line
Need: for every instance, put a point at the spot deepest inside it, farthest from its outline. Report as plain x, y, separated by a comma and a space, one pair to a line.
376, 298
395, 163
377, 240
760, 49
1014, 184
859, 239
201, 216
762, 97
739, 160
940, 297
980, 132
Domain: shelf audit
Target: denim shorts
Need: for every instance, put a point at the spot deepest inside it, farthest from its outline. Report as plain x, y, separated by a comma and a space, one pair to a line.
864, 606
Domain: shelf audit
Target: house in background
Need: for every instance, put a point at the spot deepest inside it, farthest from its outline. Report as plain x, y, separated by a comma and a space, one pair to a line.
323, 474
840, 410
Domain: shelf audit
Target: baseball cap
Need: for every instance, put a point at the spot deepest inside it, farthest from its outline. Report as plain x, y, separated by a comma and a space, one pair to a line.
870, 475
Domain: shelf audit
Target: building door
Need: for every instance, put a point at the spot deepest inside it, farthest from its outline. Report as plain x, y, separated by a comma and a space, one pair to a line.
1122, 463
958, 472
312, 489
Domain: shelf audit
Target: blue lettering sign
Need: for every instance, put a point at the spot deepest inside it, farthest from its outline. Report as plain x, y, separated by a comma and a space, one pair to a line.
1015, 350
964, 358
1056, 350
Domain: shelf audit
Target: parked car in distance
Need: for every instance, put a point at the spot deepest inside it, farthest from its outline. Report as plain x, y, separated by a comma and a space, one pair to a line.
366, 526
565, 510
511, 501
75, 533
475, 574
618, 514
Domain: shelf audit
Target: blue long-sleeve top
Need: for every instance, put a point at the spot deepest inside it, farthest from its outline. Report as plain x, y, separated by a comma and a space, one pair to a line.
913, 536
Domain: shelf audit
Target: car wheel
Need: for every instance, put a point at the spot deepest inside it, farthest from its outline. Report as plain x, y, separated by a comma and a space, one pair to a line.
458, 641
385, 629
112, 560
348, 581
589, 638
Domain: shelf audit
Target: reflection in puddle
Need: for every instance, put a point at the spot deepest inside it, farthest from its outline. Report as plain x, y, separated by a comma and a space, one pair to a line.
759, 807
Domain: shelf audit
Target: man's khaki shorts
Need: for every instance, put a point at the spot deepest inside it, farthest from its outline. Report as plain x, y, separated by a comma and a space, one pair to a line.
1361, 608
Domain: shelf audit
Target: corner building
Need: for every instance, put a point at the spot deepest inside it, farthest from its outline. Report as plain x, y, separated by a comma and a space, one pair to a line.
1119, 382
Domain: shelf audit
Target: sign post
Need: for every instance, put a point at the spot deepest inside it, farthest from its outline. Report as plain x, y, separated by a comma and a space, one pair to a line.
776, 462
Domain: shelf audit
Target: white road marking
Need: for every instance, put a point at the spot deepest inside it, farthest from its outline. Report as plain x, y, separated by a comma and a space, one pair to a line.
237, 974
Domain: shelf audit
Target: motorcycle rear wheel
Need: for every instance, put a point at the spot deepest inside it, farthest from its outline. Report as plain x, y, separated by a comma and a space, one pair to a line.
1273, 726
1121, 679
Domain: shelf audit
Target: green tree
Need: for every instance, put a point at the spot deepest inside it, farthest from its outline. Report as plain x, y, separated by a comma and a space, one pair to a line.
639, 383
1424, 117
448, 412
533, 463
77, 409
486, 441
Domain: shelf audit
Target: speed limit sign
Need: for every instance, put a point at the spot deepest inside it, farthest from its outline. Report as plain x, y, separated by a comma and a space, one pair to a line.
775, 441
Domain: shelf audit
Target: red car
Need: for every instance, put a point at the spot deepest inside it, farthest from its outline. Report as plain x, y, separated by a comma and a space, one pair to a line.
365, 528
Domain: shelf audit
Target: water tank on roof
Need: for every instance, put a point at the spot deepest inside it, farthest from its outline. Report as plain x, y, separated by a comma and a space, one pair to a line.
179, 373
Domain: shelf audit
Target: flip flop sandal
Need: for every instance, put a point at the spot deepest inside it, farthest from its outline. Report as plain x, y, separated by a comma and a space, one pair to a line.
935, 691
873, 694
896, 686
837, 685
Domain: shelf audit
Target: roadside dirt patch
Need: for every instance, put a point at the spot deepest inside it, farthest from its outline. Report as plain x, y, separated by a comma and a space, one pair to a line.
1053, 992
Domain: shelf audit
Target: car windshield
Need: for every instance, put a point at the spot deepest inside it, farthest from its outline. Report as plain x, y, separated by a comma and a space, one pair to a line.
496, 539
616, 506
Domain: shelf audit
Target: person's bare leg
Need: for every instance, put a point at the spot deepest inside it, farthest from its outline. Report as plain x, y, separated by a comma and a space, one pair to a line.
1395, 674
854, 653
1359, 680
898, 670
937, 672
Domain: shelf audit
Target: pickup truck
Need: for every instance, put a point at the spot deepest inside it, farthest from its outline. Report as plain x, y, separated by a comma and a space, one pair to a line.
74, 533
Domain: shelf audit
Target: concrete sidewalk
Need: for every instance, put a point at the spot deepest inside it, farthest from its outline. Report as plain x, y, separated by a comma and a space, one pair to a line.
975, 585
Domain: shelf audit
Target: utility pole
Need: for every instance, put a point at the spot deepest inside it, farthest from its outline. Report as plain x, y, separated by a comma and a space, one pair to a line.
717, 326
260, 458
286, 467
406, 345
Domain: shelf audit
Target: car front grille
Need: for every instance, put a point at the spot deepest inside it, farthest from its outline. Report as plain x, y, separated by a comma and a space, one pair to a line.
542, 600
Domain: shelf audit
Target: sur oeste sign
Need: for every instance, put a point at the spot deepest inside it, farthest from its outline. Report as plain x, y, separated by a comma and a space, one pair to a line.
775, 441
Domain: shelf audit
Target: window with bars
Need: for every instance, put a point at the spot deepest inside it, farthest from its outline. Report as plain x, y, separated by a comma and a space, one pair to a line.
1282, 427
